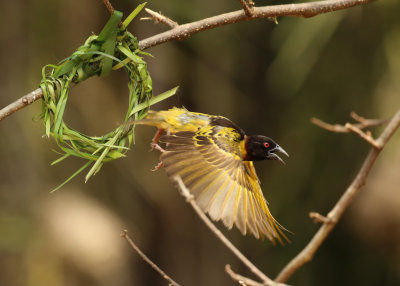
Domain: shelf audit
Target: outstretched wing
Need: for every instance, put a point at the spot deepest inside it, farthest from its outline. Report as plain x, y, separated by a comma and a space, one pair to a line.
226, 187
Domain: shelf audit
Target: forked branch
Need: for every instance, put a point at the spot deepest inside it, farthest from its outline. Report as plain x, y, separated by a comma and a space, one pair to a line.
330, 221
357, 128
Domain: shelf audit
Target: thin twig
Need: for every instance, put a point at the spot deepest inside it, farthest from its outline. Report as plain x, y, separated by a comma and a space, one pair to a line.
337, 211
245, 281
351, 127
190, 199
184, 31
111, 9
366, 136
124, 234
160, 18
338, 128
318, 218
358, 118
247, 7
109, 6
330, 127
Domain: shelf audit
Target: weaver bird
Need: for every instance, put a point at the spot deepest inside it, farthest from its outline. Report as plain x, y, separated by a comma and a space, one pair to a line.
214, 159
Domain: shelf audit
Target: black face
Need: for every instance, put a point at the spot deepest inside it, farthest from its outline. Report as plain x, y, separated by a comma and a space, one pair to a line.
260, 147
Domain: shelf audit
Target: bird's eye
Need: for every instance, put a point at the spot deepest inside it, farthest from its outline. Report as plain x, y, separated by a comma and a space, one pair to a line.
266, 144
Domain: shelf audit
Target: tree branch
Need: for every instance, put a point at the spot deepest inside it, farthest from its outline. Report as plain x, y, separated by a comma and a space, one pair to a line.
190, 199
241, 279
159, 18
184, 31
21, 103
124, 234
337, 211
305, 10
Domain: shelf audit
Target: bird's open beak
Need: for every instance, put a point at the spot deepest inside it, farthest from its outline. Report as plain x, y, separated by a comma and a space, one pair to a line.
273, 156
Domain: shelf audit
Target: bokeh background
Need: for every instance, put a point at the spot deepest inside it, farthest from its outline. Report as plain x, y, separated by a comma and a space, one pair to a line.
270, 79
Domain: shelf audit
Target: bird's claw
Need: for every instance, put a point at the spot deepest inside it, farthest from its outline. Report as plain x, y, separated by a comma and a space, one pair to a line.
158, 166
157, 147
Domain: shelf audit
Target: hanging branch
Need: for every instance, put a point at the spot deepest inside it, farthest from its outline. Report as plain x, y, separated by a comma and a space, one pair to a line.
330, 221
184, 31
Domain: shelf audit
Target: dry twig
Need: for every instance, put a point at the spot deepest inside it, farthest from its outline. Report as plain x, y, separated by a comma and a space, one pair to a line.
318, 218
364, 135
159, 18
109, 6
351, 127
111, 10
190, 199
247, 6
124, 234
338, 128
337, 211
186, 30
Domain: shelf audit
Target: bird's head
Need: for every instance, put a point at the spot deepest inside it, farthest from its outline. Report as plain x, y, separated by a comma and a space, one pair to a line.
259, 147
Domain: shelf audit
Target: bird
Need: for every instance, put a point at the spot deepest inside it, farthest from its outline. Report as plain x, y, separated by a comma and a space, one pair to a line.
214, 158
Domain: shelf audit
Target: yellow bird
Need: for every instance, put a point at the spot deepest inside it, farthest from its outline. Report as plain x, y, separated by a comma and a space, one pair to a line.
214, 158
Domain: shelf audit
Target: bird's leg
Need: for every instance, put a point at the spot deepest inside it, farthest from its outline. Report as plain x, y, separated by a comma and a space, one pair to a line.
159, 148
155, 139
154, 145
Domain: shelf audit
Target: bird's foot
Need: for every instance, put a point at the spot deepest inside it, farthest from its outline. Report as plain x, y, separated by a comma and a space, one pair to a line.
158, 166
157, 147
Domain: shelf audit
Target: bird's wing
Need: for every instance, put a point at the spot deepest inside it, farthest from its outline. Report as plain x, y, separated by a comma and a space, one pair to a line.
226, 187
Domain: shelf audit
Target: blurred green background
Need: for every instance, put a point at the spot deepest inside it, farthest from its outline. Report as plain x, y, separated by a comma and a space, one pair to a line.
270, 79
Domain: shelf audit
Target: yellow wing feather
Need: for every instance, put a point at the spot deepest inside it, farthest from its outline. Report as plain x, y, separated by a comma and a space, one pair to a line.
223, 185
208, 158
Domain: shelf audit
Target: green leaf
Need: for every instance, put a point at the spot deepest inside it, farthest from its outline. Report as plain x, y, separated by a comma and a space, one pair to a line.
136, 59
65, 156
132, 15
110, 26
153, 100
65, 68
96, 167
109, 36
72, 176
